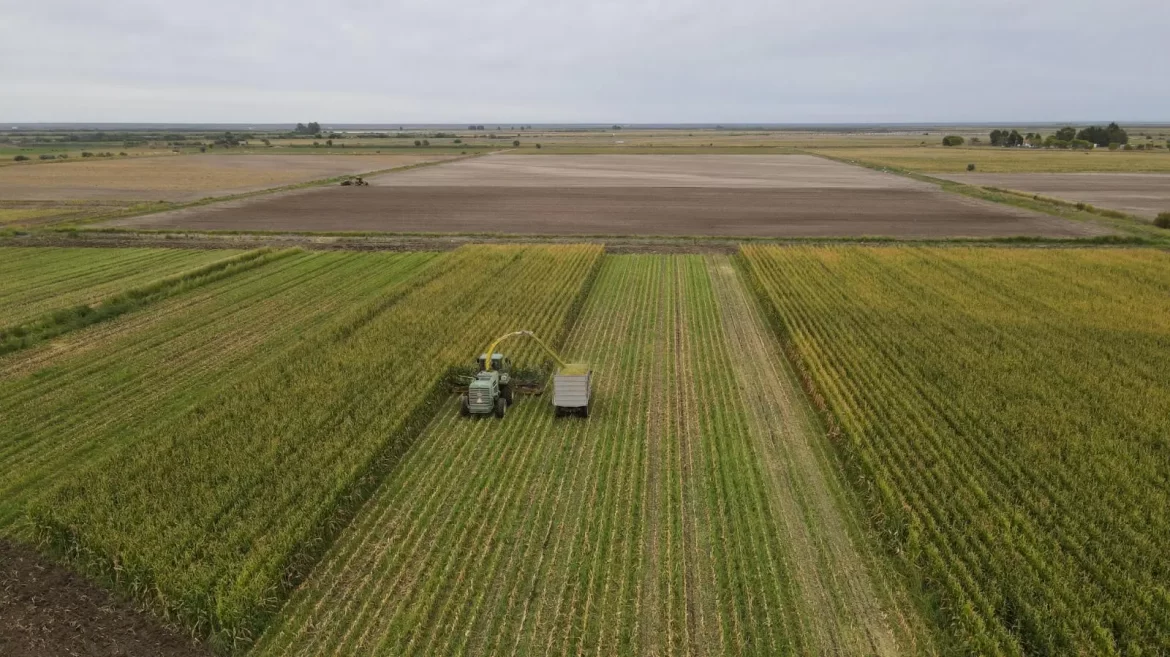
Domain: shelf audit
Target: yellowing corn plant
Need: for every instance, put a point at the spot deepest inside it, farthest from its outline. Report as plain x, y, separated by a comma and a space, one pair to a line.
213, 515
1004, 413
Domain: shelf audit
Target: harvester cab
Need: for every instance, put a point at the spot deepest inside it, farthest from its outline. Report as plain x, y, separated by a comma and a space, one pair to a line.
491, 389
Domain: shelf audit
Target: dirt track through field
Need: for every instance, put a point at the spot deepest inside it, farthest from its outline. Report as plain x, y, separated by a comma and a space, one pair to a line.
669, 195
1142, 194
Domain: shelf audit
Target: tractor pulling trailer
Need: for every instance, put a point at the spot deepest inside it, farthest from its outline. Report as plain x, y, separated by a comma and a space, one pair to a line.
491, 390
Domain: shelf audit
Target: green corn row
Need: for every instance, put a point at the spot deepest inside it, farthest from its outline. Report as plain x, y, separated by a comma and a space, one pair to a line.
1003, 413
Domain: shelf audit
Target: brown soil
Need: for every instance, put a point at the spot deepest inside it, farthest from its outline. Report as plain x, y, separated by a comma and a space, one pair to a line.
183, 177
757, 212
1141, 194
48, 611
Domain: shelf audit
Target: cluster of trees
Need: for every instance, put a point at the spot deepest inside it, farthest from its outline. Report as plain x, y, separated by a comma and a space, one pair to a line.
1112, 134
952, 140
313, 128
1067, 137
1005, 138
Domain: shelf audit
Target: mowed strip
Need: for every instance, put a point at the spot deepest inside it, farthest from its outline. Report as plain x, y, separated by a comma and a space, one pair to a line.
675, 520
668, 195
72, 402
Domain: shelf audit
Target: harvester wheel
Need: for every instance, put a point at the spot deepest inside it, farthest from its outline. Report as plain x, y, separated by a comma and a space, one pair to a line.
464, 408
506, 393
501, 407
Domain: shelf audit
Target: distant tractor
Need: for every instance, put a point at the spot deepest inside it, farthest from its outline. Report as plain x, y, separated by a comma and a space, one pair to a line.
491, 391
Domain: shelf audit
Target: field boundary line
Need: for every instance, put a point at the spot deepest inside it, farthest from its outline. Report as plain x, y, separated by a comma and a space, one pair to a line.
64, 320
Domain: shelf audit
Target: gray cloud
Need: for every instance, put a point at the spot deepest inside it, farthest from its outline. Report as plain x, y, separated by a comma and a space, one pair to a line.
638, 61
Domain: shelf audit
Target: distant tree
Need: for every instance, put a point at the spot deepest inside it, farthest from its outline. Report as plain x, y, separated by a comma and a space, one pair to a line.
20, 158
971, 167
538, 145
1081, 143
458, 141
997, 137
516, 143
976, 140
426, 142
417, 142
47, 156
122, 154
329, 142
1162, 220
1015, 138
1104, 136
202, 149
266, 142
616, 127
1068, 133
952, 140
1114, 145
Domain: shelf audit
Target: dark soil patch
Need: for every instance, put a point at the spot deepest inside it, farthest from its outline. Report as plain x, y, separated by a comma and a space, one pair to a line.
47, 610
611, 211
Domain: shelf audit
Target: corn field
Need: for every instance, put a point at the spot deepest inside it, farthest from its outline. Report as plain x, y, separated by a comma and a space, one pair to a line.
213, 515
1004, 414
673, 521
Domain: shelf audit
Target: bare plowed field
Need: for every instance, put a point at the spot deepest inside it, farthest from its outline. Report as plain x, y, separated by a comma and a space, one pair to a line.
1142, 194
182, 177
738, 196
623, 211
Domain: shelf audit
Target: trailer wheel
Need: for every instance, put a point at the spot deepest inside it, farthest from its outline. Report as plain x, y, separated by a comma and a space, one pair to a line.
558, 411
585, 411
464, 408
501, 407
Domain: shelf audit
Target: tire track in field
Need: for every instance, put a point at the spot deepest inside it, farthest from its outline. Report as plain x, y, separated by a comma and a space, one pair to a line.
848, 604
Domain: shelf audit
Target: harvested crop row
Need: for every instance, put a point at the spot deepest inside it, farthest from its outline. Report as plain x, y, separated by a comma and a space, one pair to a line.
1004, 413
653, 527
215, 512
82, 398
39, 280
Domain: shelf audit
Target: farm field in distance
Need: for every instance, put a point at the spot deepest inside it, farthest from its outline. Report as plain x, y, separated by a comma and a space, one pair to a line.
677, 195
1140, 194
182, 177
937, 159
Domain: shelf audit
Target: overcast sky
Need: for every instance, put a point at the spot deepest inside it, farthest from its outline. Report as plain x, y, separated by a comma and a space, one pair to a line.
388, 61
